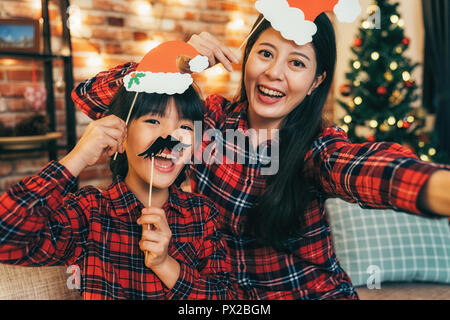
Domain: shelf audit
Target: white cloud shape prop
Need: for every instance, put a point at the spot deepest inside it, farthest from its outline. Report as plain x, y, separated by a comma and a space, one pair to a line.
289, 21
199, 63
168, 83
347, 10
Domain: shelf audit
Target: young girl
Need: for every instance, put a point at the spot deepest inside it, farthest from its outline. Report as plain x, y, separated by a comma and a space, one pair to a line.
43, 223
276, 226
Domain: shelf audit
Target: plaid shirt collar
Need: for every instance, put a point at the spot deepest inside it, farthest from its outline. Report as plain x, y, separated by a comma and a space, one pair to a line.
237, 119
125, 201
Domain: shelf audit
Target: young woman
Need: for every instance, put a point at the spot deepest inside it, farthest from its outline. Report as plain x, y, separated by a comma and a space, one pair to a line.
43, 223
275, 225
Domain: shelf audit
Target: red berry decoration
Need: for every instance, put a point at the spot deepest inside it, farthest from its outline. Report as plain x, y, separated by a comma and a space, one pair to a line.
357, 42
406, 125
371, 138
345, 90
381, 90
409, 84
406, 41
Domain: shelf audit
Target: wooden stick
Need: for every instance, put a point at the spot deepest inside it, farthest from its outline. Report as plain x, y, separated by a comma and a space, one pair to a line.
150, 197
250, 34
128, 117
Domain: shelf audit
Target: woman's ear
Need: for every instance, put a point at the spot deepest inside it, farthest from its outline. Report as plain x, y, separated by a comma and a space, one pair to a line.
317, 82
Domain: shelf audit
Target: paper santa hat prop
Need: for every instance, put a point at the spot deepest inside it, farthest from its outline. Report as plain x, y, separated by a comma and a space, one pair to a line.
158, 71
294, 19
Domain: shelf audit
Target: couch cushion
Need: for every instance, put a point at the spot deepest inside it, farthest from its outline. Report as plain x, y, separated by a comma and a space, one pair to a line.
35, 283
386, 245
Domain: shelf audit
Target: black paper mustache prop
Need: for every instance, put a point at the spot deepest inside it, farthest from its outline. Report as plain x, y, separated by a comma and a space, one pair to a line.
160, 144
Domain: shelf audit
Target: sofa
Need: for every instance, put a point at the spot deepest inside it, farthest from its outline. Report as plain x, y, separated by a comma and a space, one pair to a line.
414, 265
50, 283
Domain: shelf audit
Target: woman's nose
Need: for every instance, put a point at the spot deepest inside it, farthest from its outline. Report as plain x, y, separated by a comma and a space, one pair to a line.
275, 70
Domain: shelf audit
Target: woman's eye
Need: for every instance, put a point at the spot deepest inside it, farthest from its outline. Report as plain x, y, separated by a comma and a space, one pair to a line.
185, 127
265, 53
298, 63
152, 121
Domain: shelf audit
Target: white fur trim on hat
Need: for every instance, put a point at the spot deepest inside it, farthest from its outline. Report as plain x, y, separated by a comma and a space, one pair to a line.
149, 82
347, 10
199, 63
289, 21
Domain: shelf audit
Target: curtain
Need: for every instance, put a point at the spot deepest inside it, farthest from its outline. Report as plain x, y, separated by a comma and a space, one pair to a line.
436, 90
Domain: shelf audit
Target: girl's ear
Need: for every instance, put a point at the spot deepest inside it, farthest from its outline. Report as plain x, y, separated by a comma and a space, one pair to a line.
317, 82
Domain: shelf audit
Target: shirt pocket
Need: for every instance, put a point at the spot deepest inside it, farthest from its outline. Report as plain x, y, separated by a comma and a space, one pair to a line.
185, 252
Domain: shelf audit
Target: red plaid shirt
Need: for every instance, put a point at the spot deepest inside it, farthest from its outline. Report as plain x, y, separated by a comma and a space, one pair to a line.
42, 223
374, 175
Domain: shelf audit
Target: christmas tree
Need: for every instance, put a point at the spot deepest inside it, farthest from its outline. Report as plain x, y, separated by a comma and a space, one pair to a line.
380, 90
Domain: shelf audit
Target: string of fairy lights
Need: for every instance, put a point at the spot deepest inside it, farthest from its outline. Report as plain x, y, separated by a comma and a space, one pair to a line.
396, 96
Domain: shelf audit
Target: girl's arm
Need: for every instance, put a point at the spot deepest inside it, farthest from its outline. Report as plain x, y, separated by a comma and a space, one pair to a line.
41, 223
376, 175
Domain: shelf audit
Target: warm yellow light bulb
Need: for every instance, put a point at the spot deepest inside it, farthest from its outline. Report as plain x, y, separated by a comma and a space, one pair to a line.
410, 119
395, 18
406, 76
375, 56
393, 66
357, 65
424, 157
348, 119
400, 124
358, 101
432, 152
373, 123
391, 121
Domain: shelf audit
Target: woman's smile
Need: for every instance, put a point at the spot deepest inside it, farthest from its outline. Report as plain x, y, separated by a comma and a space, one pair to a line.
269, 95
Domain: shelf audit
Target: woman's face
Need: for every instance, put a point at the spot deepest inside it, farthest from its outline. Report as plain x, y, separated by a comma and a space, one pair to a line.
278, 75
142, 132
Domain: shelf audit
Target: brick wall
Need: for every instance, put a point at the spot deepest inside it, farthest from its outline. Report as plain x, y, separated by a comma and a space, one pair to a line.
106, 33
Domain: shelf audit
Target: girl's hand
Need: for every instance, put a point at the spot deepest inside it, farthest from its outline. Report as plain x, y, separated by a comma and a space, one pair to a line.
156, 240
105, 135
207, 45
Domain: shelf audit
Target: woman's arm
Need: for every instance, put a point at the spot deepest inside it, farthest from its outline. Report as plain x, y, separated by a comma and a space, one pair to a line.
378, 175
435, 194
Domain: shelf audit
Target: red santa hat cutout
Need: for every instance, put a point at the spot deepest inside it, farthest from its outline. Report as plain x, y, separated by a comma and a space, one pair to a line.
294, 19
158, 71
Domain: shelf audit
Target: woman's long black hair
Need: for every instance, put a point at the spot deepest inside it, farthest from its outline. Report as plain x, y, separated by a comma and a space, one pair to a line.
189, 106
279, 214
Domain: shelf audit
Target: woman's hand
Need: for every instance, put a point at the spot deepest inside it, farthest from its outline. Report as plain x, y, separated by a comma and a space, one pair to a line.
105, 135
207, 45
434, 195
156, 239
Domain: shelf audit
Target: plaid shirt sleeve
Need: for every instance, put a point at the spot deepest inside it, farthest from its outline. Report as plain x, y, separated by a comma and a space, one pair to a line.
39, 223
211, 279
376, 175
94, 96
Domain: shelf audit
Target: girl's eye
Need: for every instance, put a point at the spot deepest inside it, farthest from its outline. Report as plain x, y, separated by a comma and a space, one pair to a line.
298, 63
185, 127
152, 121
265, 53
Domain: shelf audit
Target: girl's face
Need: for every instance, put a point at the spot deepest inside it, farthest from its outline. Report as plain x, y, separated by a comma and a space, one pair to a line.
279, 74
142, 132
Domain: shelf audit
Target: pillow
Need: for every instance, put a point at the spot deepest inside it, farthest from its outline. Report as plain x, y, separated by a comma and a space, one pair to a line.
391, 245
